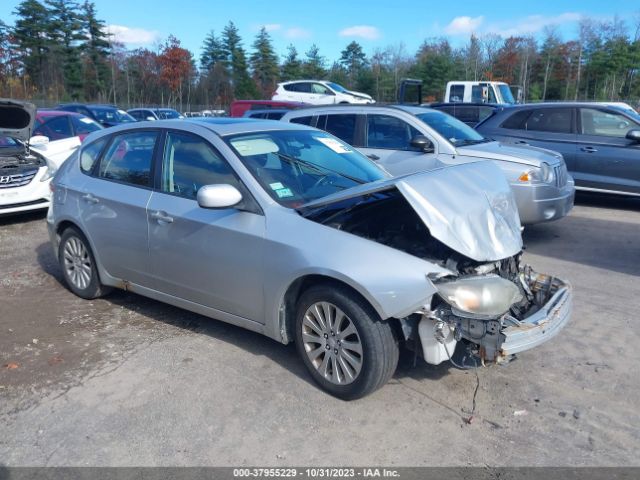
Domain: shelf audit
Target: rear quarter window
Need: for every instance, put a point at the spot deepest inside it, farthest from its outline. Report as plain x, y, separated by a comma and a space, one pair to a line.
90, 154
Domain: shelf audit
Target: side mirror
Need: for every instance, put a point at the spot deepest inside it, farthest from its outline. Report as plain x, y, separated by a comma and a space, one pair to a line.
219, 196
422, 143
38, 140
633, 135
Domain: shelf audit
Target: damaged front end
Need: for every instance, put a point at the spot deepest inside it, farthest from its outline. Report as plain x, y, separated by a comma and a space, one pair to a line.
462, 220
505, 309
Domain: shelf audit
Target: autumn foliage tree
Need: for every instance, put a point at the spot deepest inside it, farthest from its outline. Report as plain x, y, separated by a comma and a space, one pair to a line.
176, 67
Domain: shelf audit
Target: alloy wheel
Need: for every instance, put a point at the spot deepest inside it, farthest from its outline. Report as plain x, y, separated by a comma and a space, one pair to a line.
77, 263
332, 343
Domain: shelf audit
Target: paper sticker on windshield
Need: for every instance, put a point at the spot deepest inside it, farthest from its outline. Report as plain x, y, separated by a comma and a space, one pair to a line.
334, 144
276, 186
284, 192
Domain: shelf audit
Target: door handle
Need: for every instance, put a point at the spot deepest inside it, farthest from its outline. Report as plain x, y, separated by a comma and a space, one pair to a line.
373, 157
589, 149
161, 217
521, 142
90, 198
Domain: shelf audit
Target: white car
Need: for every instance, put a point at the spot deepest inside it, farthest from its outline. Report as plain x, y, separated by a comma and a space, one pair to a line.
318, 92
27, 164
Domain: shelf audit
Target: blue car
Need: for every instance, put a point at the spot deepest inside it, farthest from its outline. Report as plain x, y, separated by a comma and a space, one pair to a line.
600, 143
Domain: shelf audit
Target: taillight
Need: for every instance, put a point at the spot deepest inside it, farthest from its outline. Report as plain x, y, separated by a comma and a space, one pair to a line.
52, 187
82, 136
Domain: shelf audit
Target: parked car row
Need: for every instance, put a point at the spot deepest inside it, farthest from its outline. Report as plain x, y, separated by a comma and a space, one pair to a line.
405, 139
600, 142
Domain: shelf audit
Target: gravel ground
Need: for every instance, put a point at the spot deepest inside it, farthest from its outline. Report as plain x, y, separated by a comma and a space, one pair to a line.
125, 381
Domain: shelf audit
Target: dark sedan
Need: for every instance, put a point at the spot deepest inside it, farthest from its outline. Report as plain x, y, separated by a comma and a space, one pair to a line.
106, 115
600, 143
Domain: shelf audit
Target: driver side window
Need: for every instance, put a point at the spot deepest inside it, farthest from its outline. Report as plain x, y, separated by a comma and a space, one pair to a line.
189, 163
608, 124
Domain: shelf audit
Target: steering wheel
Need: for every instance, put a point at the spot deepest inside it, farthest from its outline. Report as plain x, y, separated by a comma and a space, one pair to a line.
321, 181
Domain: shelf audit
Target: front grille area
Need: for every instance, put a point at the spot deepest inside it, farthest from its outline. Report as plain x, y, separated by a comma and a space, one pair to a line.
561, 175
21, 179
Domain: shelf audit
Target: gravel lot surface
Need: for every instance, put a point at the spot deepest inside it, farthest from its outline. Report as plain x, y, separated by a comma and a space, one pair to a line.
126, 381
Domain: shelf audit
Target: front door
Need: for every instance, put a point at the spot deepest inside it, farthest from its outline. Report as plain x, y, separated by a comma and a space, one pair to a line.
212, 257
605, 158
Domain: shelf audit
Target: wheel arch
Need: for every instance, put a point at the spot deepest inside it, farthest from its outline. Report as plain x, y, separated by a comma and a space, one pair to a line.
289, 300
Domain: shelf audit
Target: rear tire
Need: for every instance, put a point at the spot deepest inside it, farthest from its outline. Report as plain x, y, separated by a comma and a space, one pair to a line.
349, 351
79, 266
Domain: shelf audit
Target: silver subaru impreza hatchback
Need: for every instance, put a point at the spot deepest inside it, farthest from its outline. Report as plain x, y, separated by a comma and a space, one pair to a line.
288, 231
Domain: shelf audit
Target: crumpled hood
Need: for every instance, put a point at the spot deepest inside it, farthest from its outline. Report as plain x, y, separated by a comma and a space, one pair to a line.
525, 154
468, 207
16, 119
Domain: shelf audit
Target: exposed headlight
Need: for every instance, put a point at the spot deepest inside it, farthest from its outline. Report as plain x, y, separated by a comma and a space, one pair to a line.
487, 296
543, 174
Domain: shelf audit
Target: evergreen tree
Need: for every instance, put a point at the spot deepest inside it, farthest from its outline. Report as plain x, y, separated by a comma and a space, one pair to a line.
292, 66
313, 67
96, 49
264, 63
65, 30
353, 60
213, 51
29, 38
243, 86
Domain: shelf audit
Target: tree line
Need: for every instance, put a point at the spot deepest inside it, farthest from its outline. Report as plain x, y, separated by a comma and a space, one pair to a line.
60, 50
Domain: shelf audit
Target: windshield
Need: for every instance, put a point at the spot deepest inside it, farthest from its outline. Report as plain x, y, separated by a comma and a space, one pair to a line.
299, 166
111, 115
455, 131
337, 88
505, 93
167, 114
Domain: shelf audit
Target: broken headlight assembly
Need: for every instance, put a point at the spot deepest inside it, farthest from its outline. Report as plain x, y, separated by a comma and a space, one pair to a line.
480, 297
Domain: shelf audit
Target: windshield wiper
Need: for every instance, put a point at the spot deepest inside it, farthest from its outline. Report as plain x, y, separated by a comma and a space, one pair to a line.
317, 168
472, 142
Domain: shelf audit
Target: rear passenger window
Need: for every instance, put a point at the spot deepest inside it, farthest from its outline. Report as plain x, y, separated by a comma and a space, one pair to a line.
342, 126
128, 158
89, 154
555, 120
189, 163
384, 131
301, 120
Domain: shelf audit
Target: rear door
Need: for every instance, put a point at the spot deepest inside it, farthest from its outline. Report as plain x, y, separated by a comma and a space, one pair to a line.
212, 257
114, 205
605, 159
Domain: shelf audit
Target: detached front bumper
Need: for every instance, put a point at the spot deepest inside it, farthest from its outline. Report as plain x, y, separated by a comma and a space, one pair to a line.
541, 326
549, 301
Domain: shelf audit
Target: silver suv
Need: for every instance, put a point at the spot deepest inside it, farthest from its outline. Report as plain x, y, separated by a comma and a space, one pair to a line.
405, 139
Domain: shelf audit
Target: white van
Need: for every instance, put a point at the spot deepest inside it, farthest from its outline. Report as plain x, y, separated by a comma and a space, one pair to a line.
480, 92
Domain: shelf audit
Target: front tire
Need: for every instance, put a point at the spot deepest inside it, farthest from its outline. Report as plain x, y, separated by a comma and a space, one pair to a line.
349, 351
79, 266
